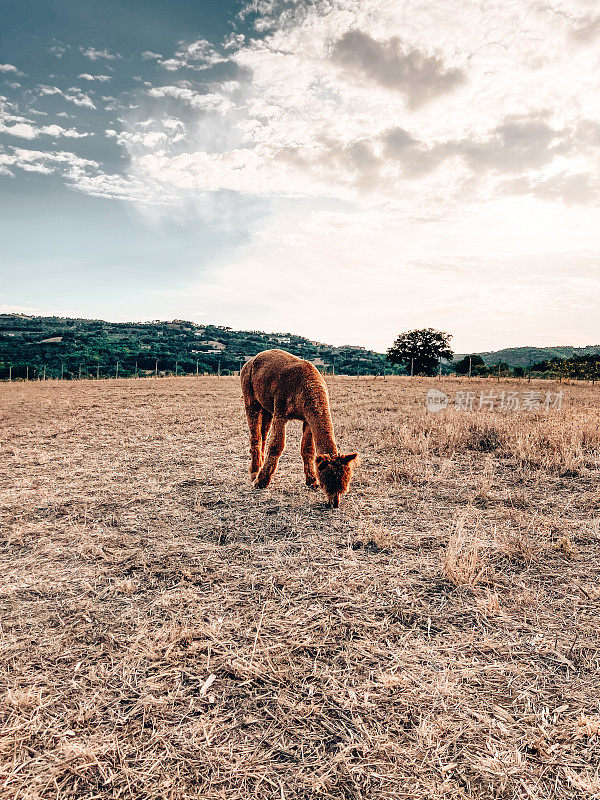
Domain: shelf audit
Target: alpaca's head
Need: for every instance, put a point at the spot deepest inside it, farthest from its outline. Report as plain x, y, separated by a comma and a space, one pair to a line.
335, 473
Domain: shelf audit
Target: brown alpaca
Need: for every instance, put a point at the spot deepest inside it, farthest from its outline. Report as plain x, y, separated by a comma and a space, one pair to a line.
278, 386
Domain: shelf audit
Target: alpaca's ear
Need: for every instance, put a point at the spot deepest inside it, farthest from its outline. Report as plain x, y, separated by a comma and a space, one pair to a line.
350, 457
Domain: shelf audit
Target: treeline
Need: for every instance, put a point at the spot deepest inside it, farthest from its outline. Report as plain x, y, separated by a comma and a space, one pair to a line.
585, 367
71, 348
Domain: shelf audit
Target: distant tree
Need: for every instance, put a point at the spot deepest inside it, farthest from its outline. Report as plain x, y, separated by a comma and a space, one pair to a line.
422, 349
519, 372
462, 367
502, 366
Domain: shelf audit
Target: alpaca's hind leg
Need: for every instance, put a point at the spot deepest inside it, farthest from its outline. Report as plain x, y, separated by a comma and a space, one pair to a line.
307, 448
275, 448
264, 431
254, 416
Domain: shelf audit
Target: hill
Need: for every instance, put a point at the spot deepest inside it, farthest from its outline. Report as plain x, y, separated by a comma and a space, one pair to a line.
73, 347
524, 356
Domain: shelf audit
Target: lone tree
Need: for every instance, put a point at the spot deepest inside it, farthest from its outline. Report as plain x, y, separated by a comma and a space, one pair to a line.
420, 351
476, 363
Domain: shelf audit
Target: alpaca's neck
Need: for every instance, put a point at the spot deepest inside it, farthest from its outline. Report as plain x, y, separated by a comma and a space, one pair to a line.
321, 427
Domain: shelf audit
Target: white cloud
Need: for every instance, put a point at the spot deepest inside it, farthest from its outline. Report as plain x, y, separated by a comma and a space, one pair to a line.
58, 49
80, 99
199, 55
7, 309
87, 77
19, 156
10, 69
96, 55
49, 90
26, 130
73, 95
147, 140
207, 101
81, 174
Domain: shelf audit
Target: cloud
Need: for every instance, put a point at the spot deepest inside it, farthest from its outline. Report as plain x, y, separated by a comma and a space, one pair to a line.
87, 77
172, 64
80, 174
49, 90
73, 95
207, 101
96, 55
8, 309
198, 55
396, 66
416, 108
58, 49
46, 162
147, 140
25, 130
515, 145
586, 29
10, 69
571, 189
81, 99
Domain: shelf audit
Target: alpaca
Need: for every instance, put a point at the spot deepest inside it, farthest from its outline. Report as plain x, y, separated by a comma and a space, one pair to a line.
276, 387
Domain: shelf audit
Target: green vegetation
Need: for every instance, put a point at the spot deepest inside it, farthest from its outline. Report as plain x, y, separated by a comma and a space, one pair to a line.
420, 352
586, 367
527, 356
72, 348
471, 362
89, 348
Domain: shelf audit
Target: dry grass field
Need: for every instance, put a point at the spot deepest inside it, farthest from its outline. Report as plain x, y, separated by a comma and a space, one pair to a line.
168, 632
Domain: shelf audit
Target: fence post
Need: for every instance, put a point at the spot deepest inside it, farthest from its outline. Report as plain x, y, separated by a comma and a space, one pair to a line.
470, 359
156, 368
10, 372
117, 372
196, 367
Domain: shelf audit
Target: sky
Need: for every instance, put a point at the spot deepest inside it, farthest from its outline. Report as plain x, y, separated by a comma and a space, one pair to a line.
341, 169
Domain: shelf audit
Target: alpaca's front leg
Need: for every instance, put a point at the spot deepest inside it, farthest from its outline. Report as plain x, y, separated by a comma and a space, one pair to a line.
275, 448
307, 448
